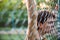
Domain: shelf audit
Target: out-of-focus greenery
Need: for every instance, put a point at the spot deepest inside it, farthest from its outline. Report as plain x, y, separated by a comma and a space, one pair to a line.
14, 12
12, 36
50, 3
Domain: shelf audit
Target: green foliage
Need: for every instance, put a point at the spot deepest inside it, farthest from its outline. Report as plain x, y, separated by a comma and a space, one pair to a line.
51, 3
16, 10
12, 9
2, 4
12, 36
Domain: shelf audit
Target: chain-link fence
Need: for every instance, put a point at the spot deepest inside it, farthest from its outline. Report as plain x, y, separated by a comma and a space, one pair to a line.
14, 17
13, 14
31, 22
13, 20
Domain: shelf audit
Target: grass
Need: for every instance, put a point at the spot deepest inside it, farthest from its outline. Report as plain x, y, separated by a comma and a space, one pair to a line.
5, 28
12, 36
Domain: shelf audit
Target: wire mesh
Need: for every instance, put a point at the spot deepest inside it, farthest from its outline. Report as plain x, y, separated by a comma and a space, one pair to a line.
54, 30
16, 16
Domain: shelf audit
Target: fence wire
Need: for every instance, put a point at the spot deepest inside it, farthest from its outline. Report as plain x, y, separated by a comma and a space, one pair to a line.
52, 29
16, 16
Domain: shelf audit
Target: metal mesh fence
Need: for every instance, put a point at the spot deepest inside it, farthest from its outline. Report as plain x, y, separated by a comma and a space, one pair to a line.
13, 20
14, 15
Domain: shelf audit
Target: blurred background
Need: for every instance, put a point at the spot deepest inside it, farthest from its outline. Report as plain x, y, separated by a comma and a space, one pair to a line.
14, 17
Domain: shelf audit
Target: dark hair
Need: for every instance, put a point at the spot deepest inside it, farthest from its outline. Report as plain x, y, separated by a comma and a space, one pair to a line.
43, 16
